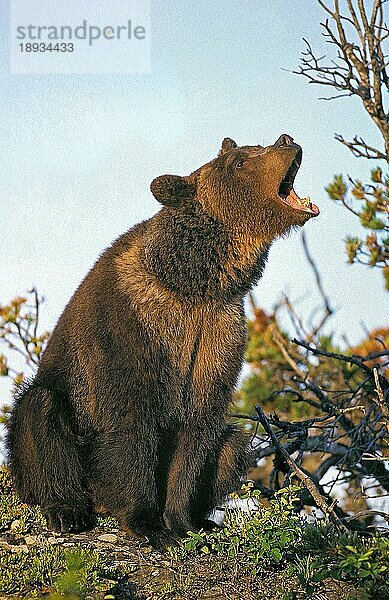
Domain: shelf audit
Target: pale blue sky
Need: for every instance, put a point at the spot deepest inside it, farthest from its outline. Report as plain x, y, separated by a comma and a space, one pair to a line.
78, 152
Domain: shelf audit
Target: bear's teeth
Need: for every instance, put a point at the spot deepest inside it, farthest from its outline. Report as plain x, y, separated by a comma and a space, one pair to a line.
306, 201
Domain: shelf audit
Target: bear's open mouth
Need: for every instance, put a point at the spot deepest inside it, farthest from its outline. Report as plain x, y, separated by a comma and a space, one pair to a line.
287, 194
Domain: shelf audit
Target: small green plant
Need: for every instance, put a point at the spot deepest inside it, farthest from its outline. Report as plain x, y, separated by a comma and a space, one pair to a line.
21, 339
108, 522
325, 553
367, 559
369, 203
84, 571
14, 514
310, 573
67, 573
262, 536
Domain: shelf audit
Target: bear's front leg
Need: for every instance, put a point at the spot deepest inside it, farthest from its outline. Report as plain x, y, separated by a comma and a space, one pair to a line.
208, 464
191, 461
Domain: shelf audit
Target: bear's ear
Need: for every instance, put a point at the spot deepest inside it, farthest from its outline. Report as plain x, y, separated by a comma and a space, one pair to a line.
227, 145
172, 190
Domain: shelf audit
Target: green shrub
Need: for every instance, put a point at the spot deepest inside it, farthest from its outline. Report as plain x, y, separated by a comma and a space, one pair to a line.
258, 538
5, 480
365, 559
274, 535
324, 553
14, 513
72, 573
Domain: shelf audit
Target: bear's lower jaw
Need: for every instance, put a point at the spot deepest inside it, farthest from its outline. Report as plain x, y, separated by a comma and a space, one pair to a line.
293, 201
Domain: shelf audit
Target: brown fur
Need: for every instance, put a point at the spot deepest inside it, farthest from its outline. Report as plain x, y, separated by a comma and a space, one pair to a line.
128, 411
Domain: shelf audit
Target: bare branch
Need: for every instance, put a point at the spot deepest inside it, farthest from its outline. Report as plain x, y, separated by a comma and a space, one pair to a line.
380, 396
342, 357
360, 148
368, 513
303, 476
326, 302
360, 68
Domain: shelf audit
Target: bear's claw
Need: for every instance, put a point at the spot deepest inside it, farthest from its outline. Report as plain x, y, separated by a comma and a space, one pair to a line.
68, 518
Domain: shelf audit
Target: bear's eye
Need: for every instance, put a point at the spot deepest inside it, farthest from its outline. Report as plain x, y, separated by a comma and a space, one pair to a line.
239, 163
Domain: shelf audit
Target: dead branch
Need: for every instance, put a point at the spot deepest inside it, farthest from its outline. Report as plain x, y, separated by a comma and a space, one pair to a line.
359, 68
328, 310
380, 397
281, 345
303, 477
368, 513
342, 357
360, 148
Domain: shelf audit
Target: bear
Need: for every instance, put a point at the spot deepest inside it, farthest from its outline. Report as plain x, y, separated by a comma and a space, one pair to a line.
128, 411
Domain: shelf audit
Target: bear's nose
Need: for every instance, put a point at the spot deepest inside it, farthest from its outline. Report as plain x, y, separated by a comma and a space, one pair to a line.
284, 140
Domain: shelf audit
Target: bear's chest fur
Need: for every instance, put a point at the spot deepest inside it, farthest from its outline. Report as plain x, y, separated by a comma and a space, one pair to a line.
203, 341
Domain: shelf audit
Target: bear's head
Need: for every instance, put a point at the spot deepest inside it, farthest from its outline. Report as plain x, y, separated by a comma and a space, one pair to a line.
248, 188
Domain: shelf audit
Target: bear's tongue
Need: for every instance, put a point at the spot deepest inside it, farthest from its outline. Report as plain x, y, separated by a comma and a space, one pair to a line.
300, 203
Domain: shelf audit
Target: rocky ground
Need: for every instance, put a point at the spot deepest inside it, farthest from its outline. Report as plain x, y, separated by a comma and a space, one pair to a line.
140, 572
107, 564
147, 573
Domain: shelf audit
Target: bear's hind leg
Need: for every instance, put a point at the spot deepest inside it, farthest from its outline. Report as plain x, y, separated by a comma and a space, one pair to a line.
45, 460
124, 465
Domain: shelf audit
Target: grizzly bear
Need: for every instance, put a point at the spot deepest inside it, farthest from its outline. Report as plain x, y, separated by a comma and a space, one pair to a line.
129, 408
